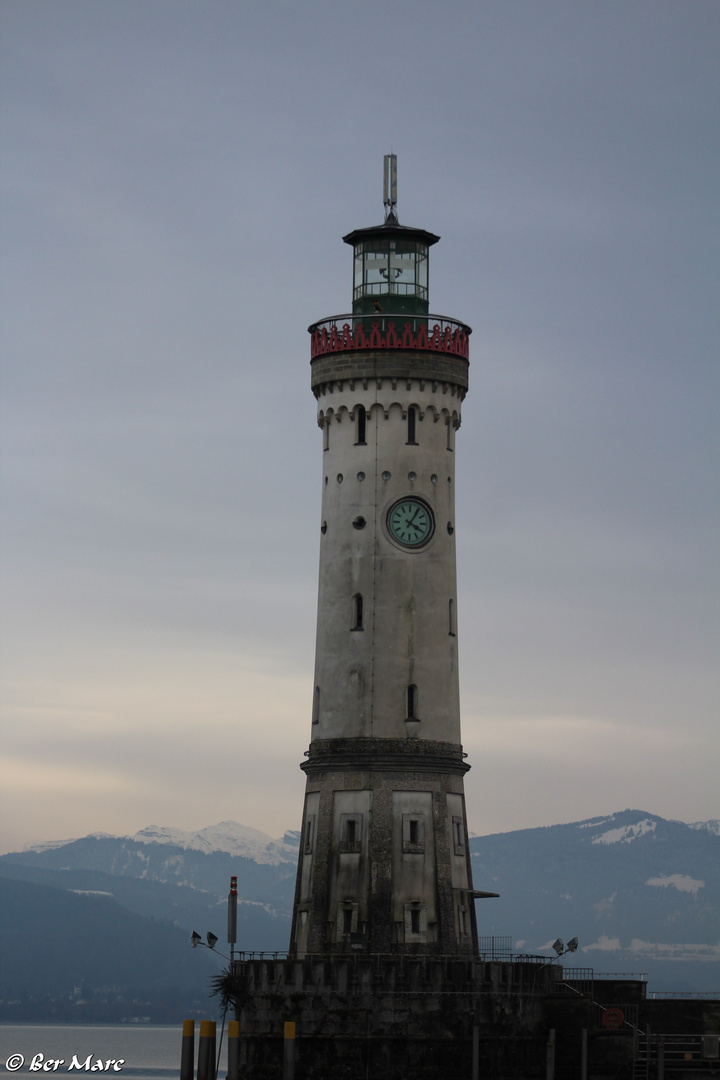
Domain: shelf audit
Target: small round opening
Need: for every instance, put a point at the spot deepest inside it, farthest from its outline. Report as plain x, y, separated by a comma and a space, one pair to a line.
450, 527
339, 478
359, 523
323, 527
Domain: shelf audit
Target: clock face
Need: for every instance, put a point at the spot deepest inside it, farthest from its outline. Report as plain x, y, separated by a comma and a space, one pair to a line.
410, 522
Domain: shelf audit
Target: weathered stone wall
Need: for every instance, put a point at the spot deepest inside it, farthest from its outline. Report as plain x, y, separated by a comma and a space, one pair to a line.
391, 1018
383, 881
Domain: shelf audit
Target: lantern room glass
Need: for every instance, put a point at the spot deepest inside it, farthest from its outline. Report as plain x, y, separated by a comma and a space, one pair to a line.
391, 274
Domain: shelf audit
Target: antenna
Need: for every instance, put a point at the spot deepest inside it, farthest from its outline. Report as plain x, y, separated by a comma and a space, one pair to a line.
390, 188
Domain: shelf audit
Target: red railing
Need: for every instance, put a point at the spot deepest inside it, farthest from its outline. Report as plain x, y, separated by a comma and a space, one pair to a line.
433, 333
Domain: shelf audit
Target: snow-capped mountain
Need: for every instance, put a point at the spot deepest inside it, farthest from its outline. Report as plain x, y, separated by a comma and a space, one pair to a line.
642, 893
228, 836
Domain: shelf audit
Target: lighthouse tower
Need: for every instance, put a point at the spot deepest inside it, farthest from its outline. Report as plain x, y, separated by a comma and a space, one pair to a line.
384, 862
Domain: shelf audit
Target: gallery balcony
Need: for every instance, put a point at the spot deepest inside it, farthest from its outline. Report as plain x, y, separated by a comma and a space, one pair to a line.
389, 330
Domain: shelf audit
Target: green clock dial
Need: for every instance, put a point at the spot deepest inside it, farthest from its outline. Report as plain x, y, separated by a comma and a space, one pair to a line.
410, 522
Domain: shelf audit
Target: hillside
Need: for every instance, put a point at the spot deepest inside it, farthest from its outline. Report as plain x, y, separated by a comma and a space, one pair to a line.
640, 892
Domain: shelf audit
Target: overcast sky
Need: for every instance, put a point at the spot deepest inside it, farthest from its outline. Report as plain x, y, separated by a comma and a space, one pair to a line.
177, 177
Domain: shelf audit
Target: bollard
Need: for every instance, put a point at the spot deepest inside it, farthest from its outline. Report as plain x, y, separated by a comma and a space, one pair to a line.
187, 1056
289, 1051
233, 1072
206, 1051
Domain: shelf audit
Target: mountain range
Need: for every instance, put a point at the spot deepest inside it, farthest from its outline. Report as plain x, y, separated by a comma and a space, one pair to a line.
98, 927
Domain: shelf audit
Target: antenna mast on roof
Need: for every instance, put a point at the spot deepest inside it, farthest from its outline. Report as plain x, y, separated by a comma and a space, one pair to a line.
390, 188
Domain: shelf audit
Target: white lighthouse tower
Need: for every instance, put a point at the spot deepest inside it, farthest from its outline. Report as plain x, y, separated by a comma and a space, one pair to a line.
384, 861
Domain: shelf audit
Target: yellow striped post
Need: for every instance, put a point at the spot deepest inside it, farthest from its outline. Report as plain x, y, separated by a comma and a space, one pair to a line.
233, 1072
187, 1056
206, 1051
289, 1051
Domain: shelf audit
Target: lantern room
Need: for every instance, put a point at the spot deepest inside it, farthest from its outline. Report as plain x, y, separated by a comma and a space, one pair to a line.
390, 269
390, 265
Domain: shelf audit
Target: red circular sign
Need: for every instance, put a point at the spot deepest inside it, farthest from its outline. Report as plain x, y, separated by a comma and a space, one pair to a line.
613, 1018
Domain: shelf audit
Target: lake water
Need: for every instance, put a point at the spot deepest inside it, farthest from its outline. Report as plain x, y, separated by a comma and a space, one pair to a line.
150, 1051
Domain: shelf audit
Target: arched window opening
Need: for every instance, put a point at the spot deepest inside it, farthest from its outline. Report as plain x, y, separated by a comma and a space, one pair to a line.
316, 706
411, 440
360, 425
357, 612
412, 702
451, 618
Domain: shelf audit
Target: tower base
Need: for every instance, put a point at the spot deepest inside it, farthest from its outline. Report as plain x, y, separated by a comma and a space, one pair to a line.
391, 1017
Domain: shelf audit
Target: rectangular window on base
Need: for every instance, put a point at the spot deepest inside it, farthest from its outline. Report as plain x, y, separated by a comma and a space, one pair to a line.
413, 834
415, 922
347, 920
351, 832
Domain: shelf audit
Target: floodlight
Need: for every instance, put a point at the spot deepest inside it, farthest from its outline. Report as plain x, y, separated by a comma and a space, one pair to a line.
572, 944
195, 939
212, 939
558, 945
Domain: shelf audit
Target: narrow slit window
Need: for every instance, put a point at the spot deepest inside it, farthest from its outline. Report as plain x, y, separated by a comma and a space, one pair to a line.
316, 706
413, 830
357, 612
451, 618
458, 832
326, 436
414, 920
361, 423
412, 702
347, 920
450, 436
350, 831
411, 426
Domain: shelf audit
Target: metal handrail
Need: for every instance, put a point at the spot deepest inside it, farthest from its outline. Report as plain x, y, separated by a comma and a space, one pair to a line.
385, 316
389, 330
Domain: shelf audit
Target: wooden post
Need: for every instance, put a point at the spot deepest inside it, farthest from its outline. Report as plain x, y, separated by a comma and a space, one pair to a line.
549, 1056
289, 1051
187, 1055
476, 1052
233, 1072
206, 1051
583, 1055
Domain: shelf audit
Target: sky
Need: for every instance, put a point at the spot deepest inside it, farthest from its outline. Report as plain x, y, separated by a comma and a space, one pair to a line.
177, 176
